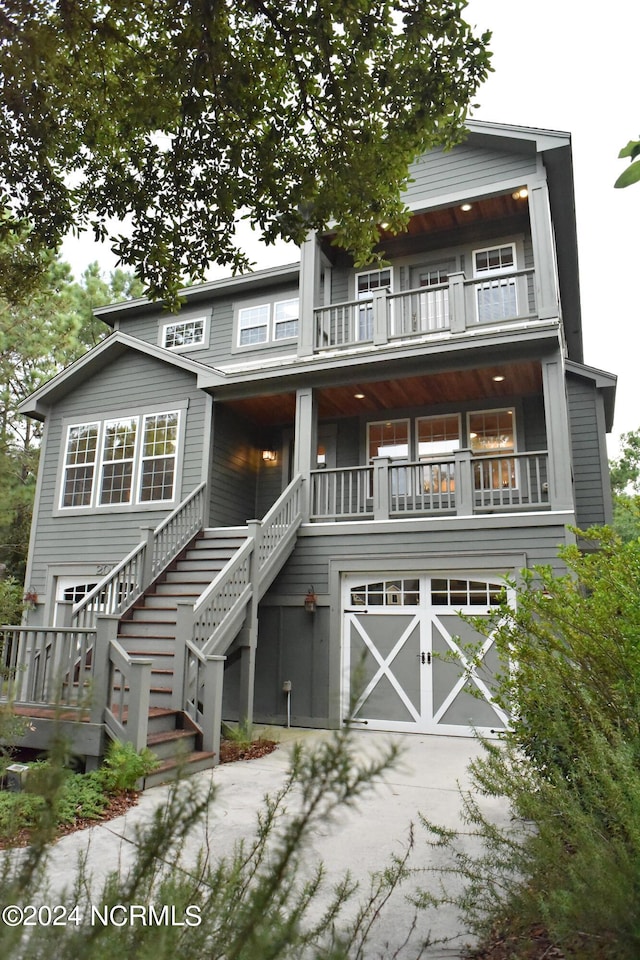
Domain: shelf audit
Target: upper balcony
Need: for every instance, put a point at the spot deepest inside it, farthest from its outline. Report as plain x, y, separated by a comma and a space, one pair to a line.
456, 304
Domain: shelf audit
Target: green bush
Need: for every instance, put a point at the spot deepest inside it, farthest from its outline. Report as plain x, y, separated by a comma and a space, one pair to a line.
569, 765
11, 604
124, 766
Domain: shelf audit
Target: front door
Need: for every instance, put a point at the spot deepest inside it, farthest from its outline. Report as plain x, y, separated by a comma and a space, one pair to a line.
404, 663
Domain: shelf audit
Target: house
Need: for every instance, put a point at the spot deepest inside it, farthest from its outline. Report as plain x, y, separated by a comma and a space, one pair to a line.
276, 502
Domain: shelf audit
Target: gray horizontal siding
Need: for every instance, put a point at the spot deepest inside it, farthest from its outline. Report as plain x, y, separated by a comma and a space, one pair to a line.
234, 470
465, 170
589, 455
309, 562
133, 382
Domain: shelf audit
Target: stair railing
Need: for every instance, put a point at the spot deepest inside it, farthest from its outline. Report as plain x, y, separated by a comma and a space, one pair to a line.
134, 573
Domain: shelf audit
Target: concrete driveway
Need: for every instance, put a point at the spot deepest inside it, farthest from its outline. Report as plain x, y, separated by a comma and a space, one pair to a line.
426, 780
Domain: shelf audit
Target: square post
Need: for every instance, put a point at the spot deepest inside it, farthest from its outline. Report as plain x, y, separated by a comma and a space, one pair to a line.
464, 483
106, 632
457, 306
381, 487
212, 704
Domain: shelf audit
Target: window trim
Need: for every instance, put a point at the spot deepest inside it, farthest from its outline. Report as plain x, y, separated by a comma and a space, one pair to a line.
270, 324
135, 503
183, 321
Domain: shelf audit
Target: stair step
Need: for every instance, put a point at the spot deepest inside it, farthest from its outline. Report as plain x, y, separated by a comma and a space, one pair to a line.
172, 744
162, 720
159, 614
171, 769
153, 628
187, 576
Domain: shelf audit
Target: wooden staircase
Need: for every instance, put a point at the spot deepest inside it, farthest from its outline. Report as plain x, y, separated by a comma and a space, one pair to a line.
149, 630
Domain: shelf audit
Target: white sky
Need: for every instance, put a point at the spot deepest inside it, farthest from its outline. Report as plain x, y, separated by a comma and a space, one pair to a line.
559, 66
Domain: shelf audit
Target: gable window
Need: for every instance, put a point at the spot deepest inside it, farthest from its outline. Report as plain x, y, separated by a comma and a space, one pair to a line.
267, 322
496, 297
184, 333
125, 461
366, 283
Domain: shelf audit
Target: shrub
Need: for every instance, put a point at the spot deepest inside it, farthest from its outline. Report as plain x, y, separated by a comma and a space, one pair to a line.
124, 766
570, 764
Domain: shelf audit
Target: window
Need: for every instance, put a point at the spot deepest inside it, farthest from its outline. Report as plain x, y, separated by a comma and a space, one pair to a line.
438, 437
124, 461
389, 438
184, 333
492, 435
267, 322
496, 298
80, 462
387, 593
366, 283
434, 304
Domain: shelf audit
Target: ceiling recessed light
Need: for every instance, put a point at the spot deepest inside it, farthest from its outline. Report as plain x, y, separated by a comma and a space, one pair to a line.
498, 378
520, 194
359, 396
466, 207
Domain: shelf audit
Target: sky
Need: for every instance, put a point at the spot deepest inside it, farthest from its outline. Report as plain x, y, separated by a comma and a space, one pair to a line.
557, 66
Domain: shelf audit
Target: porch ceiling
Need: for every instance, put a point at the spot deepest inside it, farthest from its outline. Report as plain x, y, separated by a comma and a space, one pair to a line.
457, 386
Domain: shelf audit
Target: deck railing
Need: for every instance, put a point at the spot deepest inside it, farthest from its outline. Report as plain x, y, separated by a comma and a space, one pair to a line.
46, 666
455, 305
462, 484
130, 578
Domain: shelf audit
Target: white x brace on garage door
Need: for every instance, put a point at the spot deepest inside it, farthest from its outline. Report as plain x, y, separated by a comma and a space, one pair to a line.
404, 667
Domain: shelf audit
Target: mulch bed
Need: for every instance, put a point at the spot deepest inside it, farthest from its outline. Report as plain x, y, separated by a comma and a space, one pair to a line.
230, 752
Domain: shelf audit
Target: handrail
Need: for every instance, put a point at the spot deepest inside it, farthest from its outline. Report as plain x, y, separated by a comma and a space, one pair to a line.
46, 666
122, 586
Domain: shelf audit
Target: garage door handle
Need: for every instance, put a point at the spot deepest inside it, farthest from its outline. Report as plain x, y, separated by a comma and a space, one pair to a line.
425, 657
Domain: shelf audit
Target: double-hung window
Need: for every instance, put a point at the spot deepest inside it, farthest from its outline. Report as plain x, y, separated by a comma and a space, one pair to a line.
129, 460
496, 296
366, 283
264, 323
492, 440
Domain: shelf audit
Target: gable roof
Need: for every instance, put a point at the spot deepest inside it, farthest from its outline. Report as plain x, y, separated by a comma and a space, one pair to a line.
107, 351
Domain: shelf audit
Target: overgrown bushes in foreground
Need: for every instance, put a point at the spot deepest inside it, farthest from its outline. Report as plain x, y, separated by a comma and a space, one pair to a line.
570, 765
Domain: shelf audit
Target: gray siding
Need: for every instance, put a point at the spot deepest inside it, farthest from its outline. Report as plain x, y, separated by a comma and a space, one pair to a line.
234, 469
464, 171
589, 453
132, 383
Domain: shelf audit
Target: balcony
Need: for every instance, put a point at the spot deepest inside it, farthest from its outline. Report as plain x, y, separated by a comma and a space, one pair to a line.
455, 306
459, 485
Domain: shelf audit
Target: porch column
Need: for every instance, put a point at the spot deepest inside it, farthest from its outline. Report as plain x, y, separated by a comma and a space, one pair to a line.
305, 441
457, 306
544, 257
309, 291
248, 636
556, 414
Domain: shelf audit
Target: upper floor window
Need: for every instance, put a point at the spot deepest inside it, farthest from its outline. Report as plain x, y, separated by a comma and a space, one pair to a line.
366, 283
121, 461
496, 298
268, 322
182, 334
492, 435
438, 436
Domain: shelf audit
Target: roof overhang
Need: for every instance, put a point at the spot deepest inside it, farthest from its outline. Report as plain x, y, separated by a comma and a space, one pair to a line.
603, 381
38, 404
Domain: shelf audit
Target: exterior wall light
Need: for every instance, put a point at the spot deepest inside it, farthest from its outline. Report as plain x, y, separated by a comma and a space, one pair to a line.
310, 601
269, 456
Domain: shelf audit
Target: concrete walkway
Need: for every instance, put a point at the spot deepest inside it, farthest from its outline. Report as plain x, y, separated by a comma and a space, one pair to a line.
361, 840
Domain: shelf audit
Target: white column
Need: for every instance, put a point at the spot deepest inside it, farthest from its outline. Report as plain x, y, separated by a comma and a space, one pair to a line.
556, 413
544, 254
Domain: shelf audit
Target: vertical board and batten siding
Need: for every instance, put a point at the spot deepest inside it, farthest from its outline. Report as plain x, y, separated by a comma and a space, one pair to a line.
234, 469
133, 382
464, 171
588, 452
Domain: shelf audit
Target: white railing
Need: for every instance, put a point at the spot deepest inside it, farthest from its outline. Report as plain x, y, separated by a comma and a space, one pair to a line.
462, 484
46, 666
341, 494
456, 305
130, 578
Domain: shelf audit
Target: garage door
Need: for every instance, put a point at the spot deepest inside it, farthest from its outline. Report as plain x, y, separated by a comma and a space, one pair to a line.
404, 666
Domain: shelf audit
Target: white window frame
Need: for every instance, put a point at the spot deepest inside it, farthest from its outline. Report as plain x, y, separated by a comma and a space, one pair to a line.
489, 280
184, 324
263, 315
135, 500
364, 314
513, 480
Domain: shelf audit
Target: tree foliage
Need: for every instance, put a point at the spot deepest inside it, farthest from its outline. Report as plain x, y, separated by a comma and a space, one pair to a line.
39, 335
173, 117
632, 173
569, 860
625, 486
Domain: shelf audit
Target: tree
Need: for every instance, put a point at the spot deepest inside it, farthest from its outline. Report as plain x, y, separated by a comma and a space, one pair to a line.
178, 118
625, 486
39, 336
632, 172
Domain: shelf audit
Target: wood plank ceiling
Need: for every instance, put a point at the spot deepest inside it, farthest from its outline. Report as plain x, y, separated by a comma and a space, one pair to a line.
457, 386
